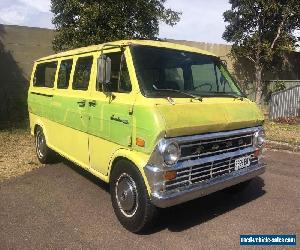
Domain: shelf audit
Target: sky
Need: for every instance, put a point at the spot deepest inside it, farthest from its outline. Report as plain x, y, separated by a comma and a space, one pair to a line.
201, 20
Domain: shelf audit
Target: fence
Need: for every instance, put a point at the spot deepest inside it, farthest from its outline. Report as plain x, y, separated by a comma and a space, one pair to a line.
287, 83
285, 103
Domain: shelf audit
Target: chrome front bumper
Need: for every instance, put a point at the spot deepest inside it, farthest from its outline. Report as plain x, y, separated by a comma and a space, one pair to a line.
174, 197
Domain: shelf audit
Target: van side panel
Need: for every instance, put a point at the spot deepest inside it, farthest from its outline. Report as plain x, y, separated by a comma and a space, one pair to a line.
40, 98
71, 118
93, 136
40, 102
110, 124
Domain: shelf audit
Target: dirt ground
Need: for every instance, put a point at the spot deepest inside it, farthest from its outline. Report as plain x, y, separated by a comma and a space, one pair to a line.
17, 153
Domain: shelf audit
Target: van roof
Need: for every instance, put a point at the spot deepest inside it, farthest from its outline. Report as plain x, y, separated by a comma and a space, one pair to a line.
154, 43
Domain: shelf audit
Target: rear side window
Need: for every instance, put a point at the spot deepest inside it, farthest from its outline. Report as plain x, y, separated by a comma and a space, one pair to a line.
45, 74
64, 74
82, 73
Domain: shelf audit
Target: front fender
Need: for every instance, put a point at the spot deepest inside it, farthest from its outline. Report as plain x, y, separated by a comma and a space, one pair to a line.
137, 158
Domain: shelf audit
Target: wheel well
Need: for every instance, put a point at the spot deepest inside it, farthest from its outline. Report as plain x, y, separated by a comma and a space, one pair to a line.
36, 128
115, 162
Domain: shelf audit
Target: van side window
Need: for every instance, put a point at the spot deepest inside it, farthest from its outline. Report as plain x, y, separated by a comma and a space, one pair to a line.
120, 80
82, 73
44, 75
64, 74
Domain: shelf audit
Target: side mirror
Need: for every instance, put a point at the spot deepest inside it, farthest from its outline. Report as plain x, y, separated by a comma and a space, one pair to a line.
224, 62
103, 71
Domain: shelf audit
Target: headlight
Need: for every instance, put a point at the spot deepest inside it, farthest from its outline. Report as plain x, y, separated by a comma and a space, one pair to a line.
170, 152
259, 138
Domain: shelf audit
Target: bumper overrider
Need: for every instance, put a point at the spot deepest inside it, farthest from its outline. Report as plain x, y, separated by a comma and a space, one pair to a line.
156, 169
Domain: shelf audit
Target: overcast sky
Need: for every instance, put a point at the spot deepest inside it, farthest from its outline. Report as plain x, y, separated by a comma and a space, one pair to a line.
201, 20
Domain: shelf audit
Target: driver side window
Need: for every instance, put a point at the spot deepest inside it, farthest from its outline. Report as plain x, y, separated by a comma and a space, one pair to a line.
120, 80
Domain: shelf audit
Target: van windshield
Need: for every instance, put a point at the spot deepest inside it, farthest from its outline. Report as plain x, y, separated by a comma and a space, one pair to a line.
163, 72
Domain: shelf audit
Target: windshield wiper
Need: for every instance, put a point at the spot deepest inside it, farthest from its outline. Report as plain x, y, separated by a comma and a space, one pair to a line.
181, 92
235, 96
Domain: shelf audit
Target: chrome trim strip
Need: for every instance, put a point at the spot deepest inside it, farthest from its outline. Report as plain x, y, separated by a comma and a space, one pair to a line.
215, 152
184, 139
178, 183
189, 163
174, 197
198, 171
213, 141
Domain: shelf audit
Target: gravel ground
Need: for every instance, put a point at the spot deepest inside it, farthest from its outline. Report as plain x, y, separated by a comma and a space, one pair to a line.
17, 153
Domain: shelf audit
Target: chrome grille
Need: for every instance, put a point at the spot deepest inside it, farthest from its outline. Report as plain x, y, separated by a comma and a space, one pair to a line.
203, 172
215, 146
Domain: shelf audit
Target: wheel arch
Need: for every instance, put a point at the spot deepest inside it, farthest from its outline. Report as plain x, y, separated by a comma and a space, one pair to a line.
139, 160
39, 124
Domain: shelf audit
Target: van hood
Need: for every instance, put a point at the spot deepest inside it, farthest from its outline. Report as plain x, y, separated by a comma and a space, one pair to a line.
210, 115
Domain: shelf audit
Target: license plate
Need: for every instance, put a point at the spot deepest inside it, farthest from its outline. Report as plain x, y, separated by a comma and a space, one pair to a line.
242, 162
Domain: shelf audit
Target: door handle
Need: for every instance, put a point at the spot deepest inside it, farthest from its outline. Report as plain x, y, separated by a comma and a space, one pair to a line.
81, 103
92, 103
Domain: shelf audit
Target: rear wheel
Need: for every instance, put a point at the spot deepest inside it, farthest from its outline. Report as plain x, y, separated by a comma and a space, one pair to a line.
130, 198
43, 152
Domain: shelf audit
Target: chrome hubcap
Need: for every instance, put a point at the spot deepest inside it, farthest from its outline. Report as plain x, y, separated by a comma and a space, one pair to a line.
126, 195
40, 144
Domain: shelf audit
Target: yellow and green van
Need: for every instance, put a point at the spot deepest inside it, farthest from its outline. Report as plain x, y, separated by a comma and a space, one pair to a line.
162, 123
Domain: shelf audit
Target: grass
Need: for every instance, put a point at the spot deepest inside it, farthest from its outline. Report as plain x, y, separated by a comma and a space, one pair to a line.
17, 153
282, 132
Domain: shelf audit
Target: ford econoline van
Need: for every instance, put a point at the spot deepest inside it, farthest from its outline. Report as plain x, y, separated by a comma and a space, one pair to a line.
161, 123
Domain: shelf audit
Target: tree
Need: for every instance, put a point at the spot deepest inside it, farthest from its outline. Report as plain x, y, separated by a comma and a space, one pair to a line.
262, 31
84, 22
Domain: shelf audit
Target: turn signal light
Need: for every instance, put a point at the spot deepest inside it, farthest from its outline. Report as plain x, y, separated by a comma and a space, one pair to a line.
170, 175
256, 153
140, 142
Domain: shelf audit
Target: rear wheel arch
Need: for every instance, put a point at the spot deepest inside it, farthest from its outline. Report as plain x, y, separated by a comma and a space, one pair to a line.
39, 125
44, 153
36, 127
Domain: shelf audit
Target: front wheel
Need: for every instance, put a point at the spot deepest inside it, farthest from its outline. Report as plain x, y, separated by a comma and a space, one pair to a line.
130, 198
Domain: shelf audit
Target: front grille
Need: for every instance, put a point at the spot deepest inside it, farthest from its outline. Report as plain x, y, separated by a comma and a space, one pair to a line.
200, 173
215, 146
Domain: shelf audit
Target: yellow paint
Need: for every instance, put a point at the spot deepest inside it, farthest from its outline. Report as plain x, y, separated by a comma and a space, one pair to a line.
93, 145
210, 115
